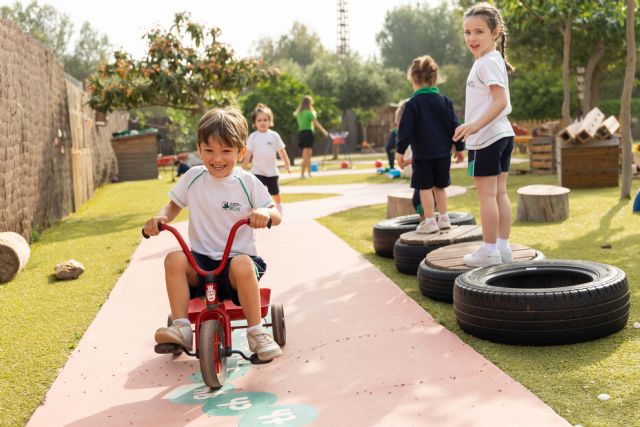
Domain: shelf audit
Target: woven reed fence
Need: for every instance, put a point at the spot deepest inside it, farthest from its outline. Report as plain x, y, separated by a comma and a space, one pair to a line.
36, 142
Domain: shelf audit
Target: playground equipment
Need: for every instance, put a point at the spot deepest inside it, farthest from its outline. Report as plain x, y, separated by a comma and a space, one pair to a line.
212, 318
338, 139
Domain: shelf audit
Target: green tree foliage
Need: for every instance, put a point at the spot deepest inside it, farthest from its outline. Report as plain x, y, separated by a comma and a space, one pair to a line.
411, 31
283, 94
91, 49
300, 45
536, 93
354, 84
54, 29
43, 23
186, 68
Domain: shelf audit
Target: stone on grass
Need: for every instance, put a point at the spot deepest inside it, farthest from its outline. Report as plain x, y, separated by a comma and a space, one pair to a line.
70, 269
636, 325
604, 397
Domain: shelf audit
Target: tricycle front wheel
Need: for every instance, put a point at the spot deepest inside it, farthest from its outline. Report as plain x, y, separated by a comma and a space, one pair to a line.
212, 354
277, 323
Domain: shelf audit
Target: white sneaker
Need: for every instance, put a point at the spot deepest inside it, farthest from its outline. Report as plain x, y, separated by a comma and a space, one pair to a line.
262, 344
444, 223
482, 258
427, 227
506, 255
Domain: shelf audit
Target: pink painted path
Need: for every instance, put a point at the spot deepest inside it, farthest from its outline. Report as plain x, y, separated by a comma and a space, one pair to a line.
359, 352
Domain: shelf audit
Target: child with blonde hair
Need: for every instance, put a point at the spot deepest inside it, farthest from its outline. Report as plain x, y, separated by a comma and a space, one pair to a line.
263, 147
427, 125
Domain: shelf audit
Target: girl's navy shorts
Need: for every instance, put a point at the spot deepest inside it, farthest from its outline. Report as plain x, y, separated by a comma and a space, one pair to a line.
491, 160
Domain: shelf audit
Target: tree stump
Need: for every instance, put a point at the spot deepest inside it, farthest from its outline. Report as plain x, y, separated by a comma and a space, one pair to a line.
543, 203
400, 204
14, 254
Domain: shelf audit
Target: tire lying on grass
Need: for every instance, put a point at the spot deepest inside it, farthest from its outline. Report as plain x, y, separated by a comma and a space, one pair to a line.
437, 284
542, 302
385, 233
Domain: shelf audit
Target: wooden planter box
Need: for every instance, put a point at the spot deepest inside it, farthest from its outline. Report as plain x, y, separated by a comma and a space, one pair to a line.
542, 155
594, 164
137, 156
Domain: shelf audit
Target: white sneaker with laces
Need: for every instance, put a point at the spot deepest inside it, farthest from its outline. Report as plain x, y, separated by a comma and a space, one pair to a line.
262, 344
427, 227
174, 334
483, 258
444, 223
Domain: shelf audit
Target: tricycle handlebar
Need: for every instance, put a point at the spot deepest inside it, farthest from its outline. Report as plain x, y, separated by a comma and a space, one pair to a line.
187, 251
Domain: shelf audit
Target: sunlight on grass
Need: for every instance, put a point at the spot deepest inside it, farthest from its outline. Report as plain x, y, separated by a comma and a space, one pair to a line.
569, 377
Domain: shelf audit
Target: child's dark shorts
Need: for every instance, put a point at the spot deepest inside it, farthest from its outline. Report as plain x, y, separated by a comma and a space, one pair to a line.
225, 290
271, 182
306, 139
491, 160
429, 173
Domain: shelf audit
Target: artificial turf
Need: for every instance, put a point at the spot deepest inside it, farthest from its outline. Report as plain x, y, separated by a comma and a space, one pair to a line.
568, 377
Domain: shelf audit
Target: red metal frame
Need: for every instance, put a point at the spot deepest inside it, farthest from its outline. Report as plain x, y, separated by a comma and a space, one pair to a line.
199, 310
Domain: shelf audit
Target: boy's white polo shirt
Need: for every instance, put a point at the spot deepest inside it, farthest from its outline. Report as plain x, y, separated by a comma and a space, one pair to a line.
489, 69
264, 147
215, 204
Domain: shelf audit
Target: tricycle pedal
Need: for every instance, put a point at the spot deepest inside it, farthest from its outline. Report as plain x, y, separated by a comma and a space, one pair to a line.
168, 349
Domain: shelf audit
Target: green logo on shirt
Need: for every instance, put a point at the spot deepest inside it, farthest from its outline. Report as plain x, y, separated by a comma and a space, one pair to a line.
231, 206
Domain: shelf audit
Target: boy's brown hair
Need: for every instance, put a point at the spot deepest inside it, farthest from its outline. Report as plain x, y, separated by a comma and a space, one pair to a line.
423, 70
225, 125
261, 109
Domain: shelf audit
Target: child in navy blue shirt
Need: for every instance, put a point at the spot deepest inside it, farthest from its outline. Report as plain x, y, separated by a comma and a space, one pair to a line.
427, 125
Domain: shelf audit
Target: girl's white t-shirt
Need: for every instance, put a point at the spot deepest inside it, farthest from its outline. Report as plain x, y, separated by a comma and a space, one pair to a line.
264, 147
215, 204
489, 69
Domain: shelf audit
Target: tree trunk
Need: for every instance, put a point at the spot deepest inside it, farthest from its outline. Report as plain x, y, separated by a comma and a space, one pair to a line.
595, 87
592, 64
566, 56
625, 103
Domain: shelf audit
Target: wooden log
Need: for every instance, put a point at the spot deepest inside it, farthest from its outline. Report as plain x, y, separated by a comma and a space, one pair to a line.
589, 126
14, 254
569, 133
543, 203
608, 127
400, 204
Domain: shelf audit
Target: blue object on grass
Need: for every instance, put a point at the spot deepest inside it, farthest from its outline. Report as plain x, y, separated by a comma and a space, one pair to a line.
393, 173
314, 167
636, 203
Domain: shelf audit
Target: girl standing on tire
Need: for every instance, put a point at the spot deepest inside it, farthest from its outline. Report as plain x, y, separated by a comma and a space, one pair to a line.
307, 122
486, 131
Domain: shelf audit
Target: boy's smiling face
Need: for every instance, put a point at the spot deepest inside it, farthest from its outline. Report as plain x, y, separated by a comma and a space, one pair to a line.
218, 158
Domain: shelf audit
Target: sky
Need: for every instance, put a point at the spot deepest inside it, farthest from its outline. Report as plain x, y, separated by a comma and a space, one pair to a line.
242, 22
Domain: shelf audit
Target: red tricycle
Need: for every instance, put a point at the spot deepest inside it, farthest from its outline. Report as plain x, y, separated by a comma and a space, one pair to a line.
212, 318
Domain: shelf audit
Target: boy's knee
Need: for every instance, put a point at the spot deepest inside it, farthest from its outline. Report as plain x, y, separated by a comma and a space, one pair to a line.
175, 261
242, 269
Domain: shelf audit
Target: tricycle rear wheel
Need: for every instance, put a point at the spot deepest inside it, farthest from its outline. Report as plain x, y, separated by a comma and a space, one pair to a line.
277, 323
212, 353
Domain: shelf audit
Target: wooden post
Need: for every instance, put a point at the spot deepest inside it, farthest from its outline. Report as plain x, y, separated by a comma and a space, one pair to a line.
14, 254
543, 203
399, 204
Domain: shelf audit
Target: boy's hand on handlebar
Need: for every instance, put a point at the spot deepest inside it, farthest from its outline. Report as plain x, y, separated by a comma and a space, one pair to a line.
151, 226
259, 218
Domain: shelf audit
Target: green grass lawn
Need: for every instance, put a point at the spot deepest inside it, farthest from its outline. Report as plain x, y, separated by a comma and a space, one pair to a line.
372, 178
42, 319
570, 377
